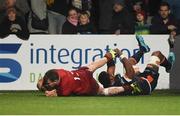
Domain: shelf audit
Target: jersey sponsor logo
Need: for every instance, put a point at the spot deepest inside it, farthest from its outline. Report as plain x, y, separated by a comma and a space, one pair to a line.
77, 78
10, 69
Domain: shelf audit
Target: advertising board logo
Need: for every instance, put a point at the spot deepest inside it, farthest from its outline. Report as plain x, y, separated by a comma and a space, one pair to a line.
10, 69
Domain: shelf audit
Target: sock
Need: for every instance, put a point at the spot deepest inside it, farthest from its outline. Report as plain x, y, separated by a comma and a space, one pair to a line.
166, 64
137, 56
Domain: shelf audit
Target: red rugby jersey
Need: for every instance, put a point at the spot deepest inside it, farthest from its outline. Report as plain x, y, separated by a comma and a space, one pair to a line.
77, 82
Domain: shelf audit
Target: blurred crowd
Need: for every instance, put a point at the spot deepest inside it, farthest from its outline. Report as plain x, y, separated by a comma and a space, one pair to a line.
25, 17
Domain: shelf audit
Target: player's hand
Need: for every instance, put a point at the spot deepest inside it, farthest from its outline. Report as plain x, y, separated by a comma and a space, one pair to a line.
118, 52
52, 93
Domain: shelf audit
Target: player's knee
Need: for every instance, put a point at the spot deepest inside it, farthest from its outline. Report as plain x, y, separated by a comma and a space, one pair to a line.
154, 60
156, 53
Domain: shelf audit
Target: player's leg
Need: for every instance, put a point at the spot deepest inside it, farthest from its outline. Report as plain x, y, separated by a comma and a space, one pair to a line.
149, 78
142, 85
130, 73
158, 58
130, 70
143, 48
171, 60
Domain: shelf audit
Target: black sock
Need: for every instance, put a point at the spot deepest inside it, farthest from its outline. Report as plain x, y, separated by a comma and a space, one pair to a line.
137, 56
166, 64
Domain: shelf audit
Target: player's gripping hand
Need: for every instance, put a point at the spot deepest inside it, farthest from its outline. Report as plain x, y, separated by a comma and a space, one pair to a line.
118, 52
51, 93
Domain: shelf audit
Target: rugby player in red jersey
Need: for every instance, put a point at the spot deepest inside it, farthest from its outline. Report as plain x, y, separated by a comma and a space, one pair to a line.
61, 82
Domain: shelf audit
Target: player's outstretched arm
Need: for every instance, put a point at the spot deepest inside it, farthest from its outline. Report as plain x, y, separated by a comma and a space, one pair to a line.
101, 62
111, 91
97, 64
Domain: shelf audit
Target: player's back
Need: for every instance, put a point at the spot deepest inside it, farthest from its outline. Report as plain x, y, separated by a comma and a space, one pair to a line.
89, 85
78, 82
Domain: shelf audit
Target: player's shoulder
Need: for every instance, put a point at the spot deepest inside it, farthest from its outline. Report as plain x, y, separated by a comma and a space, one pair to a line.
62, 72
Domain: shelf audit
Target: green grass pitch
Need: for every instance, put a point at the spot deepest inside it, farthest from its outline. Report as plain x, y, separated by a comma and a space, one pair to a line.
31, 103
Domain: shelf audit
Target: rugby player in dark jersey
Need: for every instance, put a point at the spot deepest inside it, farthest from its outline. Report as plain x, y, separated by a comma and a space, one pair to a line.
133, 81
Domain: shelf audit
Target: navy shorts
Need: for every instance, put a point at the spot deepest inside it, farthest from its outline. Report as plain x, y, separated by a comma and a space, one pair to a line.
146, 81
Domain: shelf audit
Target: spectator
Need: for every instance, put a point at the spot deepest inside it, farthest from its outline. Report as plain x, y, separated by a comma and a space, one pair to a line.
21, 7
13, 24
164, 23
24, 8
129, 5
105, 16
70, 26
137, 5
95, 13
2, 10
89, 6
38, 15
141, 27
122, 21
153, 7
175, 8
85, 26
82, 5
57, 11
